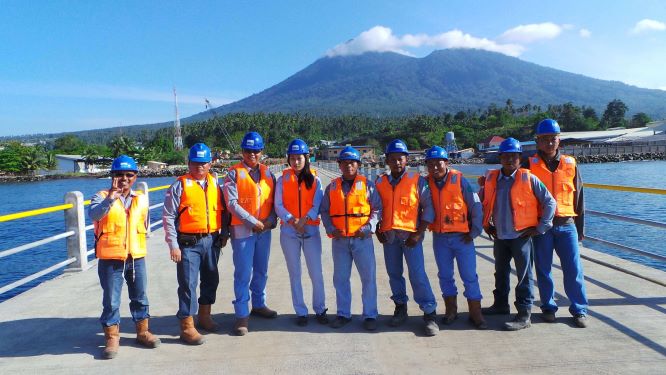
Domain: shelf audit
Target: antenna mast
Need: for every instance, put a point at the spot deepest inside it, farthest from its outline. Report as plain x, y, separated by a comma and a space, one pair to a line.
177, 138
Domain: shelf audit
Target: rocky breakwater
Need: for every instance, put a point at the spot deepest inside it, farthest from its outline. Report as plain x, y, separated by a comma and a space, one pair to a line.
165, 172
614, 158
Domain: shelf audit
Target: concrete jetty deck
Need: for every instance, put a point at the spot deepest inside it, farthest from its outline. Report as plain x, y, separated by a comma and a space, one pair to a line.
54, 328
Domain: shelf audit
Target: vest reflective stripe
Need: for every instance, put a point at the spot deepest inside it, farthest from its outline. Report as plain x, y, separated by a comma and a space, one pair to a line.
199, 211
351, 212
524, 205
297, 198
122, 232
559, 183
255, 198
400, 205
449, 204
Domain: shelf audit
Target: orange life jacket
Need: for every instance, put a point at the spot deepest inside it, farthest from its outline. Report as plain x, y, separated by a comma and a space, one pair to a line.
199, 211
449, 204
400, 205
559, 183
122, 232
524, 204
255, 198
352, 211
297, 198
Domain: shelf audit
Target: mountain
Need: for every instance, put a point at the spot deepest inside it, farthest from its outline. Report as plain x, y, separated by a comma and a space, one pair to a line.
390, 84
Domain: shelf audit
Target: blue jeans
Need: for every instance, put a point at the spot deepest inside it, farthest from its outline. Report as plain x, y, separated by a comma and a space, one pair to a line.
450, 246
520, 249
110, 274
250, 271
310, 243
361, 252
393, 254
198, 261
564, 239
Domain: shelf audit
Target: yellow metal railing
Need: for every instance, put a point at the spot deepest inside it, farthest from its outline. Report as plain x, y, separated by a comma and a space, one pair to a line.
61, 207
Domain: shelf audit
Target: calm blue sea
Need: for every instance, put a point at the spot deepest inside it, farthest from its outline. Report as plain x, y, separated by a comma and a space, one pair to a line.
26, 196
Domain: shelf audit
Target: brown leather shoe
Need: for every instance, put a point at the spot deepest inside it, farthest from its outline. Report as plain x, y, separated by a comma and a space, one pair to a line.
475, 315
205, 321
144, 337
451, 313
188, 333
240, 328
264, 312
112, 337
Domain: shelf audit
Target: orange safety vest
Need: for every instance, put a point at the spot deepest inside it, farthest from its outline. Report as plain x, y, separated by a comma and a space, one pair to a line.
122, 232
524, 204
352, 211
449, 204
559, 183
296, 199
255, 198
200, 210
400, 204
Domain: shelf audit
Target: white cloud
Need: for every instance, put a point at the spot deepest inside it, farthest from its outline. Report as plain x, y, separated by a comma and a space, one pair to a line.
382, 39
648, 25
525, 34
584, 33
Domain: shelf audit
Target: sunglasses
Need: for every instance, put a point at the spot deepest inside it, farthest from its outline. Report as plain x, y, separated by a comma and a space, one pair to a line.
128, 175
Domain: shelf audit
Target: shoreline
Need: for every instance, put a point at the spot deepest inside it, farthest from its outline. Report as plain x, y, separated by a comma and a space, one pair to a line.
175, 172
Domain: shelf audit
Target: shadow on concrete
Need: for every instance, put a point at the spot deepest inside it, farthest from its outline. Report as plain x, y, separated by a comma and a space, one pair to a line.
627, 299
59, 336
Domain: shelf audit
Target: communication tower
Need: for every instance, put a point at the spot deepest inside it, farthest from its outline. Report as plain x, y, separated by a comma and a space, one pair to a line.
177, 137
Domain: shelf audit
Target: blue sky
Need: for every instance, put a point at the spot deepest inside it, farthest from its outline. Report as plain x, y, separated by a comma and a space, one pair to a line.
74, 65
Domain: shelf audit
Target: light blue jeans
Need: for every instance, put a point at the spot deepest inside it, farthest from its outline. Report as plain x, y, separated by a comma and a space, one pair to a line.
250, 257
393, 254
564, 239
362, 253
450, 246
309, 243
111, 274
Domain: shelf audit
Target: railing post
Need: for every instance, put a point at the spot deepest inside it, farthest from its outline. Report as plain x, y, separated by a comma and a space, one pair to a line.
143, 187
75, 221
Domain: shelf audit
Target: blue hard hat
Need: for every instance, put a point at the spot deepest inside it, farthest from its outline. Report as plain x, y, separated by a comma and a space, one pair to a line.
297, 147
349, 153
436, 152
124, 163
548, 126
252, 141
397, 145
200, 153
510, 145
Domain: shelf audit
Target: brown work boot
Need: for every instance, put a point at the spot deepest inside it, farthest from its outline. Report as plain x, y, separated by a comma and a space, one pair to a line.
205, 321
144, 337
475, 315
264, 312
240, 328
112, 336
451, 313
188, 333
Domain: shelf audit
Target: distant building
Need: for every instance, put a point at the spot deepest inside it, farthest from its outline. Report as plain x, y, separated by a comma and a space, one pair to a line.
332, 152
491, 142
156, 165
77, 164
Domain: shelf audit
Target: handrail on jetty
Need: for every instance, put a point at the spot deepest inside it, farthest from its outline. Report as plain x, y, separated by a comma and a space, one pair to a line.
75, 228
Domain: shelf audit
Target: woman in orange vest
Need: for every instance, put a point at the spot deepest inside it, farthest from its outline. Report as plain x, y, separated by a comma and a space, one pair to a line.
120, 216
298, 195
458, 220
516, 206
249, 190
350, 211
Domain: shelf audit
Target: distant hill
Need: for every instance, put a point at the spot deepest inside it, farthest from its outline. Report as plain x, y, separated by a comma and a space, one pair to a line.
390, 84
